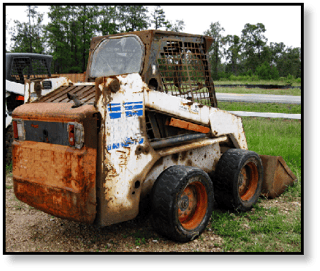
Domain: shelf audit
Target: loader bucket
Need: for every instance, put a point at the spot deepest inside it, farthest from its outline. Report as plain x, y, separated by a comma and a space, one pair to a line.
277, 176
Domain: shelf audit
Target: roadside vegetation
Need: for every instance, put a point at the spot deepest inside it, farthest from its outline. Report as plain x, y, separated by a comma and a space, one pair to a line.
289, 80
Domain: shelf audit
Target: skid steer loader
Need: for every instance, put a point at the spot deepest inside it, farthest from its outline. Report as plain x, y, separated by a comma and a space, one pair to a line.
144, 124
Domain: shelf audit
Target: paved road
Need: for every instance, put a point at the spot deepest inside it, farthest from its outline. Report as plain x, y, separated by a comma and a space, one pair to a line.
258, 98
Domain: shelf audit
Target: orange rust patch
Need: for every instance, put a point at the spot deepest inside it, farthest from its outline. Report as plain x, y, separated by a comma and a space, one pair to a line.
56, 179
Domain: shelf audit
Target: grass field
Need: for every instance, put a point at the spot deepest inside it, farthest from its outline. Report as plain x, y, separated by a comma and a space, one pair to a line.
243, 90
260, 107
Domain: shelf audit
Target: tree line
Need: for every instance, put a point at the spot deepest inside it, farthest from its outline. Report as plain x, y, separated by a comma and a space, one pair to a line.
249, 56
70, 29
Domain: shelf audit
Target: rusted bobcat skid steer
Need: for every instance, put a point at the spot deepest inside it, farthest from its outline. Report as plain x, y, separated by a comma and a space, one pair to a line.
145, 123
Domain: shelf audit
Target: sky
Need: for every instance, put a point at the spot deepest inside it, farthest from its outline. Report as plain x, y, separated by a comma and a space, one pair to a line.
282, 23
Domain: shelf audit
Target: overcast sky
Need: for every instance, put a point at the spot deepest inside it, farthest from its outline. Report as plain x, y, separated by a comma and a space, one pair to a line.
282, 23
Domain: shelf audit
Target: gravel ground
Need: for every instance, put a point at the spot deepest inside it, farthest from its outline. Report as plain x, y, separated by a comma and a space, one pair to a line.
30, 230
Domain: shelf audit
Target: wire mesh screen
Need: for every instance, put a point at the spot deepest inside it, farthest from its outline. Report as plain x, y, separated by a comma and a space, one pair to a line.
27, 68
184, 71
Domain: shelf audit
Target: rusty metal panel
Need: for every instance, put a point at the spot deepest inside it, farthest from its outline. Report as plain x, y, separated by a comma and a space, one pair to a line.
277, 176
62, 112
58, 180
54, 176
74, 77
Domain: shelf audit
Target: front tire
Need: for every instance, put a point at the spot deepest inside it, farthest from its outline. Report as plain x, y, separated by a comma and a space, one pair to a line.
238, 179
182, 203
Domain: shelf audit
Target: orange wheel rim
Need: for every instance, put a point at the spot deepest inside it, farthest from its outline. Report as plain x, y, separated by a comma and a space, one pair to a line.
248, 181
192, 205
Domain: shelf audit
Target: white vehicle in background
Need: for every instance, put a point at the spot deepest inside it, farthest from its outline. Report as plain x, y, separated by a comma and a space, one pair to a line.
22, 71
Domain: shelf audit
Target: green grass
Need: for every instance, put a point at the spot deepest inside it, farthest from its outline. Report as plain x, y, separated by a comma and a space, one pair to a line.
275, 137
8, 168
260, 230
267, 229
260, 107
243, 90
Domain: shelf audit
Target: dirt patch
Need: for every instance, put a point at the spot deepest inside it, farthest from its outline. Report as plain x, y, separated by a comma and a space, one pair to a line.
30, 230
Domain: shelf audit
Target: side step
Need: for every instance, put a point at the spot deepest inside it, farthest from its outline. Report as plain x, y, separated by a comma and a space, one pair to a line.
277, 176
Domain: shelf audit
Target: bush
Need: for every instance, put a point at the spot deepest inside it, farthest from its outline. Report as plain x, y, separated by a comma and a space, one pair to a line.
290, 79
224, 76
274, 73
249, 72
254, 78
266, 72
282, 79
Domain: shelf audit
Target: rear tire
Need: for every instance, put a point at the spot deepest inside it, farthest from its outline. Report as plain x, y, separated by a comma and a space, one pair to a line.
238, 179
182, 203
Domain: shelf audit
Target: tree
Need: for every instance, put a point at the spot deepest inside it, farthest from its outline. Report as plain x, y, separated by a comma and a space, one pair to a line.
87, 17
133, 18
107, 20
158, 18
57, 34
69, 35
267, 72
287, 60
253, 41
277, 51
28, 37
177, 26
215, 51
233, 52
291, 62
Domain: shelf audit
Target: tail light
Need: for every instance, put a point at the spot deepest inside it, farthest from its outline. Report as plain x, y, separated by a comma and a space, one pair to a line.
71, 134
20, 98
15, 129
76, 134
18, 129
